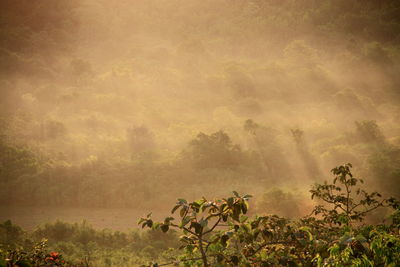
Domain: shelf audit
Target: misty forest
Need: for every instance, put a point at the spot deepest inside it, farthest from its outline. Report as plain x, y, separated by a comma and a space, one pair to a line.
199, 133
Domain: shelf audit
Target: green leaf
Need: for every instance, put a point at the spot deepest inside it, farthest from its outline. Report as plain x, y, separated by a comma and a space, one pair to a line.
224, 240
183, 211
197, 227
200, 202
308, 231
243, 218
334, 250
175, 208
185, 221
244, 207
222, 207
235, 193
168, 220
236, 212
165, 228
181, 200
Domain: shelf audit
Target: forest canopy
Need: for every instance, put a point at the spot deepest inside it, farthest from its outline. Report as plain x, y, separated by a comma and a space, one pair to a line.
110, 102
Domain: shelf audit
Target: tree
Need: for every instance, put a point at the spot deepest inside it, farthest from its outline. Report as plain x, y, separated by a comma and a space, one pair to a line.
349, 203
16, 161
213, 151
369, 131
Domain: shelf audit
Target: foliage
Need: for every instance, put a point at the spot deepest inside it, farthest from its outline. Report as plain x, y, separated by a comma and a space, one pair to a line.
80, 245
349, 202
36, 256
10, 233
214, 151
369, 131
384, 162
218, 233
16, 161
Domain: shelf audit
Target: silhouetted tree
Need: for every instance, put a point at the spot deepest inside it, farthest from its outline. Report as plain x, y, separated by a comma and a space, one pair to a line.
213, 151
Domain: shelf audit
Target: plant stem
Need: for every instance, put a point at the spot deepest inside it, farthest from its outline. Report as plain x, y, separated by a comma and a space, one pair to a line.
203, 254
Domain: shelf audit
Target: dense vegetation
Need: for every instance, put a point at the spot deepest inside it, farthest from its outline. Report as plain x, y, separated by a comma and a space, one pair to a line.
80, 245
219, 233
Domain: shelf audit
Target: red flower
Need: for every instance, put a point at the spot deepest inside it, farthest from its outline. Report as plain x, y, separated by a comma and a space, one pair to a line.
54, 255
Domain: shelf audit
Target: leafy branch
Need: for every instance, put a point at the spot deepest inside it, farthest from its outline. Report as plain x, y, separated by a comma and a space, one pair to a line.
349, 203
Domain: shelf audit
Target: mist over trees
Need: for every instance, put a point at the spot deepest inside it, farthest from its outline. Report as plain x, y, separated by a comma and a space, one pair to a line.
132, 97
116, 105
131, 104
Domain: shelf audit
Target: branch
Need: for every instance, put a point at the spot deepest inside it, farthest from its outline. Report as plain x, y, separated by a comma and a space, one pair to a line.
184, 228
212, 228
373, 208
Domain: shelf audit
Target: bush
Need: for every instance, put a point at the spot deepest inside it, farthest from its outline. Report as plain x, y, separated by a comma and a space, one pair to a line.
218, 233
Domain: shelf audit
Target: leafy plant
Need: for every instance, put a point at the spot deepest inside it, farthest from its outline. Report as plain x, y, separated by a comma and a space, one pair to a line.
199, 219
218, 233
349, 203
36, 256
